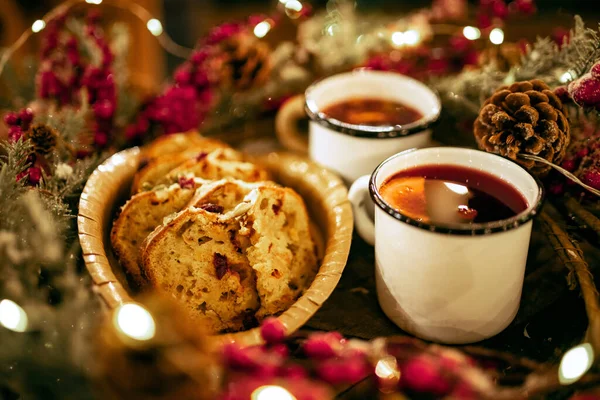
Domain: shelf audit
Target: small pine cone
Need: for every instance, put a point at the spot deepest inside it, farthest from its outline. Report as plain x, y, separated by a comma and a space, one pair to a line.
528, 118
246, 62
503, 57
43, 137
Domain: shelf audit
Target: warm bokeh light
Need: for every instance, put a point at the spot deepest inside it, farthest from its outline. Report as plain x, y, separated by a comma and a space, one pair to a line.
412, 37
261, 29
272, 392
135, 321
38, 26
398, 38
93, 1
293, 5
575, 363
566, 77
497, 36
155, 27
387, 368
12, 316
471, 33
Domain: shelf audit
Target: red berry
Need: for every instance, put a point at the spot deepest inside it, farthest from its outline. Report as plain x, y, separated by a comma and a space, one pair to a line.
595, 71
592, 178
331, 373
322, 346
183, 75
293, 372
11, 118
104, 109
499, 9
35, 175
525, 7
563, 94
243, 358
570, 165
484, 21
585, 91
272, 330
280, 349
200, 78
198, 57
583, 152
421, 374
14, 133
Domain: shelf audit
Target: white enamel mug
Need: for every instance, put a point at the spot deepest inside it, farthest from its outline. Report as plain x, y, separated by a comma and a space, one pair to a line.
447, 283
354, 150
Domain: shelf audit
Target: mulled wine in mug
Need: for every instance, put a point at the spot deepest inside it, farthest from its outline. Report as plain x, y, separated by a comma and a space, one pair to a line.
451, 232
359, 118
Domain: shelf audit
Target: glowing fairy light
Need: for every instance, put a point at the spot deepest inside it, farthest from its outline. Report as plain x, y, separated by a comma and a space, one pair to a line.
135, 321
38, 25
398, 38
293, 5
271, 392
575, 363
497, 36
471, 33
261, 29
93, 1
12, 316
387, 368
155, 27
566, 77
412, 37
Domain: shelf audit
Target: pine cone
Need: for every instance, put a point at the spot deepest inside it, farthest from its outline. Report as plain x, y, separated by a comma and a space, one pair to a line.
43, 137
246, 62
526, 117
503, 57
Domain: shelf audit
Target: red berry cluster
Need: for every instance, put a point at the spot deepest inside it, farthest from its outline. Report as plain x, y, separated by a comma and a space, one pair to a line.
583, 160
186, 103
100, 84
424, 61
493, 12
334, 362
63, 73
18, 123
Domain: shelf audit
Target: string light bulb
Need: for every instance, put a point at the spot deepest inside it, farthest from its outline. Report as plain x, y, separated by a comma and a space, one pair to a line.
38, 25
566, 77
293, 8
471, 32
497, 36
155, 27
262, 28
271, 392
12, 316
398, 39
135, 322
412, 37
575, 363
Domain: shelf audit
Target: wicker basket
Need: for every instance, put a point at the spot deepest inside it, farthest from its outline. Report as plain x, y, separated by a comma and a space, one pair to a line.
325, 196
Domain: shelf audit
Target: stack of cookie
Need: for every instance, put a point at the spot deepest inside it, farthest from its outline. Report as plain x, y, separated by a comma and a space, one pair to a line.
207, 227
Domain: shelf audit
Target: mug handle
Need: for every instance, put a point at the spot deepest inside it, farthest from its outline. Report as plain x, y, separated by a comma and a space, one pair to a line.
286, 125
357, 195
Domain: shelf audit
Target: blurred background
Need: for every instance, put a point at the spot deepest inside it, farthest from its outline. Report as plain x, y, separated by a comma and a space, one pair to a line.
188, 20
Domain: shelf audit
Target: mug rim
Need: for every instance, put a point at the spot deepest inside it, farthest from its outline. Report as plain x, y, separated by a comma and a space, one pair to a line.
370, 131
476, 229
